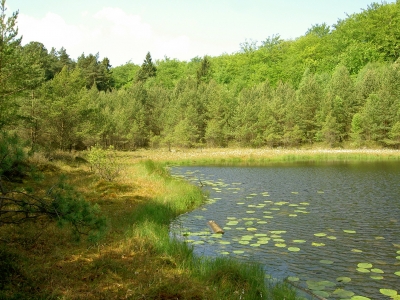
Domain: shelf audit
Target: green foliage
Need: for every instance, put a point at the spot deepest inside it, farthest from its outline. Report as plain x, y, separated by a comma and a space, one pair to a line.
12, 155
104, 162
147, 70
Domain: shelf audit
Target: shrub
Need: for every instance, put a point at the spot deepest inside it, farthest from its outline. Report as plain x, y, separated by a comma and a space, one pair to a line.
104, 162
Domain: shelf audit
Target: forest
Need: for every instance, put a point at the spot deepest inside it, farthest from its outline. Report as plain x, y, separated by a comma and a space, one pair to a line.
338, 86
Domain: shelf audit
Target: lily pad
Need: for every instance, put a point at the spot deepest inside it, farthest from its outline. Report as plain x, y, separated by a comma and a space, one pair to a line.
331, 237
294, 249
326, 261
322, 294
343, 279
292, 215
321, 234
364, 265
317, 244
198, 242
293, 278
343, 293
376, 270
397, 273
388, 292
359, 298
363, 270
349, 231
250, 211
299, 241
244, 242
224, 242
238, 251
260, 234
356, 250
255, 245
376, 277
278, 231
280, 245
251, 229
225, 253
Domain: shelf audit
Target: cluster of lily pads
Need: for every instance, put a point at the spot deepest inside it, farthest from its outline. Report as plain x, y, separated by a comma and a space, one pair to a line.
248, 231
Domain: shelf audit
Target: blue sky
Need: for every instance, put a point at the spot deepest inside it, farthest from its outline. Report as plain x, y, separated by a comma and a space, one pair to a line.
125, 30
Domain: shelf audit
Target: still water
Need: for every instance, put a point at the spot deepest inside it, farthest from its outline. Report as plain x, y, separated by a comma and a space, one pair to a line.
332, 228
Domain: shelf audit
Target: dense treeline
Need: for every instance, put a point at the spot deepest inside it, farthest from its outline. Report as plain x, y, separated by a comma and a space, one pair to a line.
337, 85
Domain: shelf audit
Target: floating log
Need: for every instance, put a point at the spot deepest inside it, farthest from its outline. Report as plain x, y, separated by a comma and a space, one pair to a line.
215, 227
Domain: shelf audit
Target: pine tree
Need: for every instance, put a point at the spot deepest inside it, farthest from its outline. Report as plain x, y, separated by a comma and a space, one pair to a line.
147, 70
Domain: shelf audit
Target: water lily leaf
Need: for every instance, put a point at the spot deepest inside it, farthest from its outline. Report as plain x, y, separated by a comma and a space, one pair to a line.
278, 231
292, 215
248, 223
247, 237
326, 261
317, 244
364, 265
299, 241
278, 240
398, 252
343, 293
294, 249
356, 250
320, 192
377, 277
293, 278
240, 203
280, 245
398, 257
262, 222
362, 270
238, 251
244, 242
397, 273
262, 242
376, 270
260, 234
379, 238
250, 211
343, 279
268, 217
322, 294
331, 237
232, 223
225, 253
304, 203
359, 298
251, 229
224, 242
320, 234
349, 231
295, 193
388, 292
198, 242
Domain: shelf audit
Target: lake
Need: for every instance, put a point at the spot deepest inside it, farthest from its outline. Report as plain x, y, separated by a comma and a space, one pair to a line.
330, 228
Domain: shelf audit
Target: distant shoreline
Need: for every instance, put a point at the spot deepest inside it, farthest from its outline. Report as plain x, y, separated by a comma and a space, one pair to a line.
248, 155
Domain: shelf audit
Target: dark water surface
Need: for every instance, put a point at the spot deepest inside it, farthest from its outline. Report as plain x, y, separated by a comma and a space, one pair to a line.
332, 228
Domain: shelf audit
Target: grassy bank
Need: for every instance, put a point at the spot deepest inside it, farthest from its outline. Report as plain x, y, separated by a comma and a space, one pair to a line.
137, 259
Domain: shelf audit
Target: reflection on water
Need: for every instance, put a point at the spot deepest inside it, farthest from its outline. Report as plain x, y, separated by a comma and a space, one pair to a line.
331, 228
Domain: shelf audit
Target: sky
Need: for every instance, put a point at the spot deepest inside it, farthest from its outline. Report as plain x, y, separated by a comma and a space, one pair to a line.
125, 30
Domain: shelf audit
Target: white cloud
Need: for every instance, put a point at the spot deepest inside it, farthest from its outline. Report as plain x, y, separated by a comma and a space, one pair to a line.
113, 33
52, 31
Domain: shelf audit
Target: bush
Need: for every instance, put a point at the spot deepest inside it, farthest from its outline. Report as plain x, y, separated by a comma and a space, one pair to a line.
104, 162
